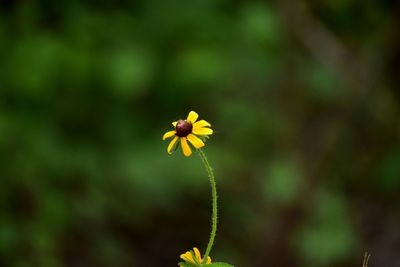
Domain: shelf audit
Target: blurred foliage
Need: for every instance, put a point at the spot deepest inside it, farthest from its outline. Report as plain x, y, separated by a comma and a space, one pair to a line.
306, 146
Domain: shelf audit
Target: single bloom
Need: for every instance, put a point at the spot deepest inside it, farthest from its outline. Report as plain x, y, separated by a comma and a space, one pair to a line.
188, 130
194, 256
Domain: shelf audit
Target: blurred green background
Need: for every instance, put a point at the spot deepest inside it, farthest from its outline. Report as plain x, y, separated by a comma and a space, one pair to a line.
303, 97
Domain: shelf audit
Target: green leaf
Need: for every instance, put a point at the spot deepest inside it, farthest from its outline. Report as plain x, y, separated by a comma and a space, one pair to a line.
219, 264
187, 264
216, 264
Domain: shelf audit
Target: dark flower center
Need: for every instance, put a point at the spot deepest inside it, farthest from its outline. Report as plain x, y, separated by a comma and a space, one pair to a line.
183, 128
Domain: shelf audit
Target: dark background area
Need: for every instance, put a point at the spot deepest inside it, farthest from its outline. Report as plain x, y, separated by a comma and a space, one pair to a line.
303, 97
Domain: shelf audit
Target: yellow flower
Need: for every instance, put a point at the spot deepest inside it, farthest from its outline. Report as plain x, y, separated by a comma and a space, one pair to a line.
188, 130
194, 256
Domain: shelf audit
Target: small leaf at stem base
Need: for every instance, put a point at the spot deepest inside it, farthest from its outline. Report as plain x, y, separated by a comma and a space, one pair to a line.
216, 264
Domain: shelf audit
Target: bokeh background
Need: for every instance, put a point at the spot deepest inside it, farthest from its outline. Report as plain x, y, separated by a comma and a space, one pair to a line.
303, 96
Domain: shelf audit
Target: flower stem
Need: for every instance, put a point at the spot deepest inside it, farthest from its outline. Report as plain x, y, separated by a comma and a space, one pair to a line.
214, 203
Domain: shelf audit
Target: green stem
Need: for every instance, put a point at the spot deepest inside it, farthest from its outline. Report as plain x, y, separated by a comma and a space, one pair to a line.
214, 204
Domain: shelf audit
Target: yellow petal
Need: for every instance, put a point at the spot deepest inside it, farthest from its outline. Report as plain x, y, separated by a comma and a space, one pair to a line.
202, 131
208, 260
168, 135
185, 147
201, 124
172, 144
197, 254
187, 257
192, 117
174, 123
195, 141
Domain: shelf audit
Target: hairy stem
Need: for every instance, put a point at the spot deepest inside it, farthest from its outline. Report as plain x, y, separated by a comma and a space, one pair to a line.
214, 204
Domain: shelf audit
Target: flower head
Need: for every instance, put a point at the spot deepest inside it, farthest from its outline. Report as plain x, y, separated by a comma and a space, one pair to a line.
188, 130
194, 256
